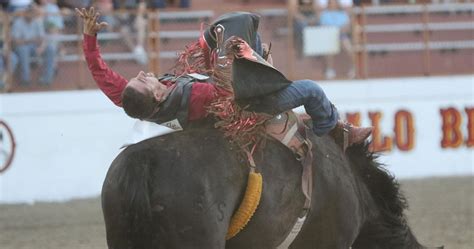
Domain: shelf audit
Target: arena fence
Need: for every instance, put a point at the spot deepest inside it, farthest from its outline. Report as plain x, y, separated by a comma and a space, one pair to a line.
425, 25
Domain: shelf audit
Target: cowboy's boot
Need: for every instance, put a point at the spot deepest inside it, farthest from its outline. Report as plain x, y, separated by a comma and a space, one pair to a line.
345, 134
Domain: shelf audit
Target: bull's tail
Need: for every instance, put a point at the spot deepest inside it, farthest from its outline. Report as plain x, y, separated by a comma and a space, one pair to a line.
390, 229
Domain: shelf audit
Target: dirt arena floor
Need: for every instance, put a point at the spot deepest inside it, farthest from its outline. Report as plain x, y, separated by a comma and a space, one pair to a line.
441, 213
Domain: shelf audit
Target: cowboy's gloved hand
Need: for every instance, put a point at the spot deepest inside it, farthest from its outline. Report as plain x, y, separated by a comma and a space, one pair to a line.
91, 26
236, 46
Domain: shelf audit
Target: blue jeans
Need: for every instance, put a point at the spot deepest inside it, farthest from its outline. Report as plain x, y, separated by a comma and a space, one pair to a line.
3, 69
25, 54
306, 93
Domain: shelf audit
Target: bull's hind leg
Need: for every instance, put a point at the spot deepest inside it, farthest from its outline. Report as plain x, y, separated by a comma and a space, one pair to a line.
199, 231
193, 224
116, 224
322, 237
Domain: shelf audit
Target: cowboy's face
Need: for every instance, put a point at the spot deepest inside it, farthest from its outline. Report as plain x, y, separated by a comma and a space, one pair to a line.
148, 83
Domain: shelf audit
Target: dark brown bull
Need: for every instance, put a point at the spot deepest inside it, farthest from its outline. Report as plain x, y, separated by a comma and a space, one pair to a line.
180, 190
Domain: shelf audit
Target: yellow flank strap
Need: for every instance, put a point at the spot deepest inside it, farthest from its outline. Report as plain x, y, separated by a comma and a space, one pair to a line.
248, 206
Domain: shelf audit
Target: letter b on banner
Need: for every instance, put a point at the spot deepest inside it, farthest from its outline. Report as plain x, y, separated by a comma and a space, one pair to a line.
453, 130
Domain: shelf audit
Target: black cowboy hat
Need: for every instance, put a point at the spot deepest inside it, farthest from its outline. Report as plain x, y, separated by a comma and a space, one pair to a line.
252, 76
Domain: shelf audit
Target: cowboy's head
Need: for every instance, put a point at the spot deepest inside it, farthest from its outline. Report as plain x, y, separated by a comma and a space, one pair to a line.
142, 96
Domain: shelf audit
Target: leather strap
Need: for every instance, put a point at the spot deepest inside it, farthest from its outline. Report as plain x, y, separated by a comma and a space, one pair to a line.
293, 233
285, 128
307, 176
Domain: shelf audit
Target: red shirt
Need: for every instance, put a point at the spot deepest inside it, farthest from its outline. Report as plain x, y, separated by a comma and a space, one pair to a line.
112, 83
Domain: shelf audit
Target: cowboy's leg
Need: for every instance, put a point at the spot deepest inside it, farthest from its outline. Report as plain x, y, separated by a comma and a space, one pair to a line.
323, 114
309, 94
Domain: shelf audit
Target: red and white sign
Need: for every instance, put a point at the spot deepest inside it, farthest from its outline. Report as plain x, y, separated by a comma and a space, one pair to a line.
64, 142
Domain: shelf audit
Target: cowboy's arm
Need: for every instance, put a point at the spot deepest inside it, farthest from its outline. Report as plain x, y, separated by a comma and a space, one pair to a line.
109, 81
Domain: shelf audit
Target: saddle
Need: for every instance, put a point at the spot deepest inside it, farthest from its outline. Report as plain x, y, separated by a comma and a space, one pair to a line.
290, 129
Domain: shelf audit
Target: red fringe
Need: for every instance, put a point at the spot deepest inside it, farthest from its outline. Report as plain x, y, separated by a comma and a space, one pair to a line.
191, 60
242, 127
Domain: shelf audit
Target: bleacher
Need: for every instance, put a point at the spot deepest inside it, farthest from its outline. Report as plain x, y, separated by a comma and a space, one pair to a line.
384, 36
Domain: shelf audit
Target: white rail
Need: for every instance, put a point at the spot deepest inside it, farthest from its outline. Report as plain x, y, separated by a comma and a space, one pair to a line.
118, 56
106, 36
415, 8
182, 15
407, 27
415, 46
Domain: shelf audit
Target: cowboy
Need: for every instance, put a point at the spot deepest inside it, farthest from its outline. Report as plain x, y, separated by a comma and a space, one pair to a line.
171, 98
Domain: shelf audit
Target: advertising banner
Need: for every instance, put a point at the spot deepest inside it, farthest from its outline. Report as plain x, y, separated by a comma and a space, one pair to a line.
422, 126
56, 146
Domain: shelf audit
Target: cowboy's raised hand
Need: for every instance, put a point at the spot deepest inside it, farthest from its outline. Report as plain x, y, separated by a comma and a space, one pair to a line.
239, 47
91, 26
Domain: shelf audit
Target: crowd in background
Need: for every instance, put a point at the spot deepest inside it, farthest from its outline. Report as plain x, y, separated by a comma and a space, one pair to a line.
38, 20
14, 5
334, 13
35, 22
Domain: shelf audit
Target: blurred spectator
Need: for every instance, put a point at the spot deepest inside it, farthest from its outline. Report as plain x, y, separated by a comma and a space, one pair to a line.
71, 4
133, 26
7, 67
125, 4
4, 4
53, 22
53, 19
66, 8
106, 10
184, 3
158, 4
152, 4
140, 27
8, 60
305, 13
29, 41
17, 5
336, 14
